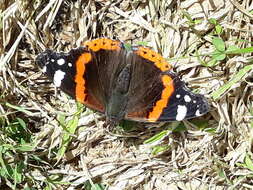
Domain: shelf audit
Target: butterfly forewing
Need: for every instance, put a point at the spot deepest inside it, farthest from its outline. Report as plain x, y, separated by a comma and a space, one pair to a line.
68, 72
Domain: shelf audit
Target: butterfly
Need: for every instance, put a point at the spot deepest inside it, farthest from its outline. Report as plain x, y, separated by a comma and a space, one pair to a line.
123, 83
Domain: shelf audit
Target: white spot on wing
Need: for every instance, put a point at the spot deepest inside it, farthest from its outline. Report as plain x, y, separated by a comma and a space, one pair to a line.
181, 112
58, 76
44, 69
70, 64
197, 113
187, 98
178, 96
194, 101
60, 61
52, 60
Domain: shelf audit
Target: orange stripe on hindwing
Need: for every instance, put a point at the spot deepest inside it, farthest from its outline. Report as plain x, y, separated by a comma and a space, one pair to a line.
79, 78
162, 103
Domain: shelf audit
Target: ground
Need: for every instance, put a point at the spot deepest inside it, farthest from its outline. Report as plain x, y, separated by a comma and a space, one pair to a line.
48, 141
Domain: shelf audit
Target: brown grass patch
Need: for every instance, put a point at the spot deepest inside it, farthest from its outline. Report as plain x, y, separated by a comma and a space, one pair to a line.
214, 155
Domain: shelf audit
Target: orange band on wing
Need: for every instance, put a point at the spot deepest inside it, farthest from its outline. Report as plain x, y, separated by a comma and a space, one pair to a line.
103, 43
155, 57
162, 103
79, 78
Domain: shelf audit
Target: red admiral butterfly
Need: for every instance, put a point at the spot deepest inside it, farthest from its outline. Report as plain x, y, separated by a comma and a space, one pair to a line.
135, 84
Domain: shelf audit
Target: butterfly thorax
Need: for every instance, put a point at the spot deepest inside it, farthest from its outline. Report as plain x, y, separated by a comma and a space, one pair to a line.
118, 99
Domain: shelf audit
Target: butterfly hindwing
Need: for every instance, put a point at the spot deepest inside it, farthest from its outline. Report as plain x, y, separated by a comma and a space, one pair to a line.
182, 103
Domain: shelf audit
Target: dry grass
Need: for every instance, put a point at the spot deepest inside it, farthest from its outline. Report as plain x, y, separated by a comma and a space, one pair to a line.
47, 141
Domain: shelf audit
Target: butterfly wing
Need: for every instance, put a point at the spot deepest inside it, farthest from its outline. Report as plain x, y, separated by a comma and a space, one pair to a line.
159, 94
107, 61
85, 73
177, 101
70, 72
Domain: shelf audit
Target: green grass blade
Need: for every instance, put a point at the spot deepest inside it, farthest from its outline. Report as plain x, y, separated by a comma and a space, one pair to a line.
21, 109
71, 128
157, 137
215, 95
248, 162
240, 51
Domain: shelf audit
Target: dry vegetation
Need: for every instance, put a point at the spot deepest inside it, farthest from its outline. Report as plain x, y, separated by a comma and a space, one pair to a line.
47, 141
